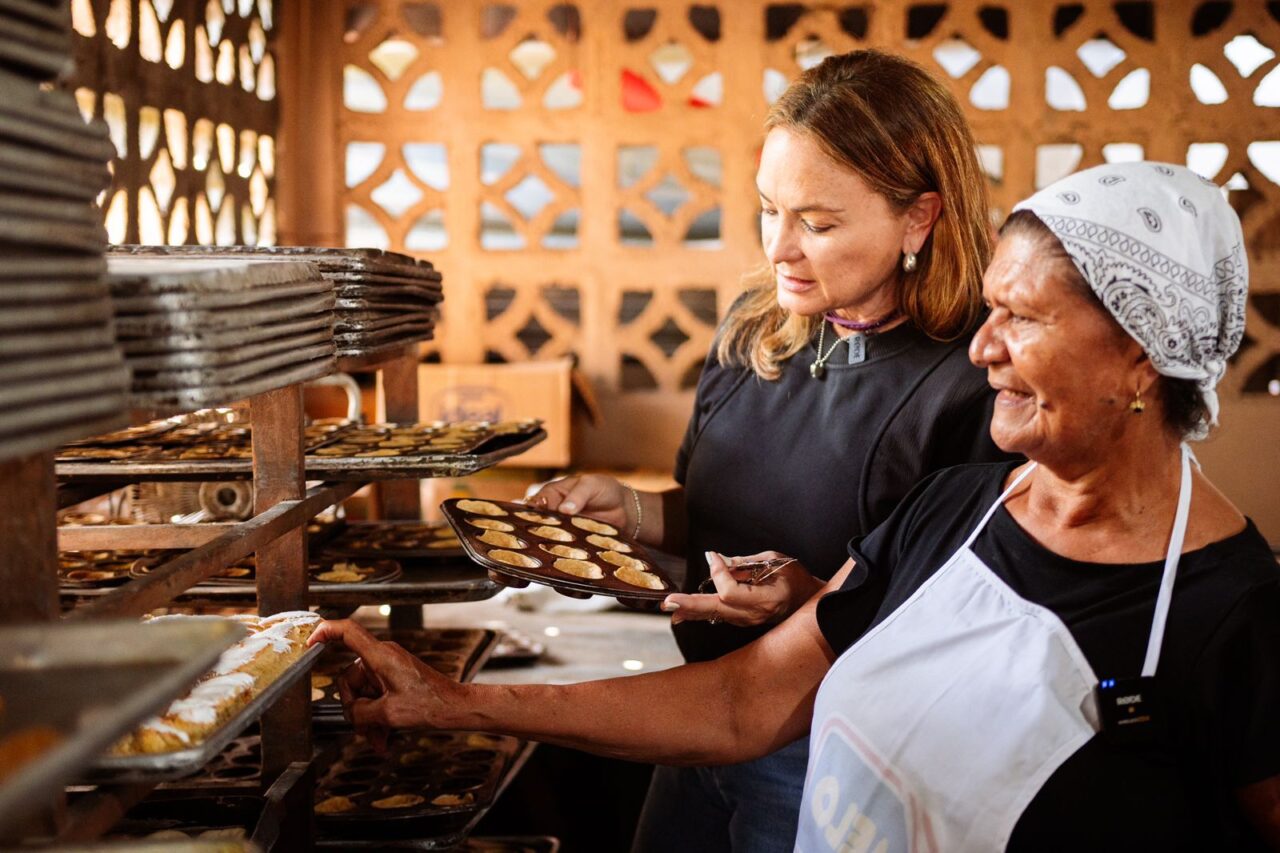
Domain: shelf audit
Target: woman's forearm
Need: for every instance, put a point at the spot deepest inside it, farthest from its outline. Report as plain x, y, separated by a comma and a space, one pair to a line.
665, 523
742, 706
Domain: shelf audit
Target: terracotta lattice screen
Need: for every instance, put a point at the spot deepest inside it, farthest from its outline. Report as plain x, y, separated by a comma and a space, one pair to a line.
188, 90
583, 172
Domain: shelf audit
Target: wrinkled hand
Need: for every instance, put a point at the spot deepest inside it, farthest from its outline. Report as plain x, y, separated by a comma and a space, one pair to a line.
387, 687
593, 494
745, 604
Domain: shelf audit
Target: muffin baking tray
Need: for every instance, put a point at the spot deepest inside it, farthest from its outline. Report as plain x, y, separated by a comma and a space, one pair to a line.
156, 767
421, 439
321, 571
444, 463
456, 653
398, 540
70, 691
569, 552
428, 785
511, 844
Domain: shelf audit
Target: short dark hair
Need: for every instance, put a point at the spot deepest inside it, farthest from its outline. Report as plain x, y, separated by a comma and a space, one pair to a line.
1183, 404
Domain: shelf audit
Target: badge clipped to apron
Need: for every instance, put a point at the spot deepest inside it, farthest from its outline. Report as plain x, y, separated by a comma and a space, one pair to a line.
1129, 708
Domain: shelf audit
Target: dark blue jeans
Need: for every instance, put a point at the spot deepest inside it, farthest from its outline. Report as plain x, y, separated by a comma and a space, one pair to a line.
753, 807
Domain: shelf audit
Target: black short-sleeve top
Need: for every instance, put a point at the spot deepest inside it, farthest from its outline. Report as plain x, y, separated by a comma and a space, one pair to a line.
799, 464
1219, 666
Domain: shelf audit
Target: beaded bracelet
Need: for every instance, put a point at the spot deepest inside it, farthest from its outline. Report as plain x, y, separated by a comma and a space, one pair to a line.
635, 496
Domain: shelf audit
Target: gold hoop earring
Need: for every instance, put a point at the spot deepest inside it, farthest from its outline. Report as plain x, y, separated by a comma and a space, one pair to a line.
908, 262
1137, 406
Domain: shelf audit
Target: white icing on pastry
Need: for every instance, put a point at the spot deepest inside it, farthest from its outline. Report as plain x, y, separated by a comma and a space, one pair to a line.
155, 724
294, 617
242, 654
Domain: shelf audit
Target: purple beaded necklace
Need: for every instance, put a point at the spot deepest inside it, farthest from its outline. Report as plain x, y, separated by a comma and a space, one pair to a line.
836, 320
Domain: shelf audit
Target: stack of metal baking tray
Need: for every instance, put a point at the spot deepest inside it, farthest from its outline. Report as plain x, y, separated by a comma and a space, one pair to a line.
203, 331
35, 38
61, 374
384, 299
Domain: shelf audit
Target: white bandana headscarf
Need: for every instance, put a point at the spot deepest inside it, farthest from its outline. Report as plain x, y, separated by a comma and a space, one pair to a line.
1163, 250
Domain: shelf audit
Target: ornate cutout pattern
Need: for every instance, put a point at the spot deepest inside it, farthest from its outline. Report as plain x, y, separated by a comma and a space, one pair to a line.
188, 92
615, 145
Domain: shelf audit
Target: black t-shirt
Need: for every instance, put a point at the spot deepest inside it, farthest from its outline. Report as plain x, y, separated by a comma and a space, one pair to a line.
799, 464
1219, 666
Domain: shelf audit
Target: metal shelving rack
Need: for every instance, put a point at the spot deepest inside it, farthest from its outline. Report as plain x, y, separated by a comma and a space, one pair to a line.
283, 505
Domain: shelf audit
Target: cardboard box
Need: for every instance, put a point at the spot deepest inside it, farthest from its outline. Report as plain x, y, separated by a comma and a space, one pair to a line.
547, 390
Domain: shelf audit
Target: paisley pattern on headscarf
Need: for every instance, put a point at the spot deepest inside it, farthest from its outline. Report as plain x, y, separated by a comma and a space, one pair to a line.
1163, 250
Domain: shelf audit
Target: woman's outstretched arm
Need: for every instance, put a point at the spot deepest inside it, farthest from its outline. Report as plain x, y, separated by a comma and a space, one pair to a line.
742, 706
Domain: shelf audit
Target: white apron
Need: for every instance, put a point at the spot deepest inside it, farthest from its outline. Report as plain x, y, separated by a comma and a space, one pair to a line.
936, 729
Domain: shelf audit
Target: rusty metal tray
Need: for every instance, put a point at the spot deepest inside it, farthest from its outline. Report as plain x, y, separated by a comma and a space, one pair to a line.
202, 277
456, 653
206, 301
50, 437
33, 290
164, 766
53, 387
50, 15
199, 397
418, 540
242, 576
104, 400
435, 583
333, 468
91, 683
351, 307
200, 321
41, 63
21, 266
364, 343
356, 262
529, 535
411, 289
42, 174
52, 210
226, 358
88, 311
29, 231
433, 767
350, 322
225, 374
42, 367
197, 340
56, 341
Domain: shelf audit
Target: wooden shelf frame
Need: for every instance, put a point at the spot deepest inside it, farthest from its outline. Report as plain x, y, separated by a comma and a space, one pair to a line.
30, 499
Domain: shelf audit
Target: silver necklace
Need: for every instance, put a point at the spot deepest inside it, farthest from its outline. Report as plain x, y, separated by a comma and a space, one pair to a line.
819, 367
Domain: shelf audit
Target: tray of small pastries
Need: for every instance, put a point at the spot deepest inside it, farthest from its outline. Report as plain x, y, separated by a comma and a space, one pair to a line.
569, 552
335, 451
320, 571
418, 540
243, 682
427, 785
168, 441
457, 653
68, 691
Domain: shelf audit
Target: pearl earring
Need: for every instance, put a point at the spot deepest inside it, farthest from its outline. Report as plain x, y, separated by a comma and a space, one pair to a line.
909, 262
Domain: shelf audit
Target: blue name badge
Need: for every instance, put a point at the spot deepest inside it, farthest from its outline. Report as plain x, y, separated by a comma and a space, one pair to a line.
851, 804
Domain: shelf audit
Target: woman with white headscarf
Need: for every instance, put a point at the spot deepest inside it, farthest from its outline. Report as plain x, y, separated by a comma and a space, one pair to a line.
1081, 652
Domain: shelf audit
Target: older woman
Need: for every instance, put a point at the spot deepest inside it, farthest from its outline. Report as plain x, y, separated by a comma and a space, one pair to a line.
836, 383
1076, 653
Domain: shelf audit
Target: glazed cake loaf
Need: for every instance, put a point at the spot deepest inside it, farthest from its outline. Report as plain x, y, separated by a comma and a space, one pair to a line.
241, 672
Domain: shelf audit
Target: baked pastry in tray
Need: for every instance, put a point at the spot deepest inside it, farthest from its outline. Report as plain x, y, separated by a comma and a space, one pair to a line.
570, 552
244, 670
322, 571
456, 653
397, 539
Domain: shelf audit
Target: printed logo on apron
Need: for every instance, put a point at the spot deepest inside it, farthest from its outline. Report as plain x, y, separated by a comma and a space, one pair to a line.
858, 804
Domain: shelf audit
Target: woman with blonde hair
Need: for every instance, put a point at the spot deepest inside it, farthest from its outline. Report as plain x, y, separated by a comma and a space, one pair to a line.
836, 383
